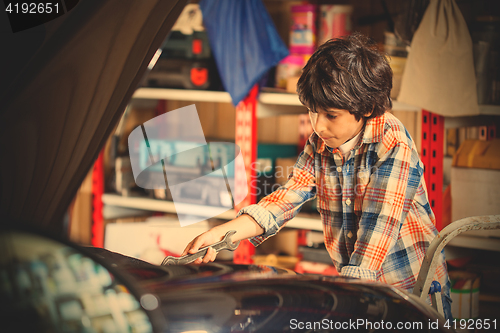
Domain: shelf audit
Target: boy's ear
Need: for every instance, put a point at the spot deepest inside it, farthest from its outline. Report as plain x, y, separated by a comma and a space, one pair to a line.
368, 114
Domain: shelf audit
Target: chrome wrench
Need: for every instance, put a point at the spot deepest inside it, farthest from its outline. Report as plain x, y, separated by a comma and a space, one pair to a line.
224, 244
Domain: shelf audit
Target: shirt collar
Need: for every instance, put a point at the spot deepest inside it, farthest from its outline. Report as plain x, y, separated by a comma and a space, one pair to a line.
346, 147
373, 131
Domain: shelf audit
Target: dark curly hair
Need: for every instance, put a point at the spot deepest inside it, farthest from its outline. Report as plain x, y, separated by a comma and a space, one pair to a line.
347, 73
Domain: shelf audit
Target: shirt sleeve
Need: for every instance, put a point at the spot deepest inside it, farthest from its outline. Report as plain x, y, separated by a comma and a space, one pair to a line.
389, 194
274, 210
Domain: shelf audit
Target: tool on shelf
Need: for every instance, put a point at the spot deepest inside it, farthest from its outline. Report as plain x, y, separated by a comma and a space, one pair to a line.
225, 244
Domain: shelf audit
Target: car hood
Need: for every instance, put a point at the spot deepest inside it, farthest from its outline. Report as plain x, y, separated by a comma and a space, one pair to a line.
222, 297
42, 276
64, 86
266, 302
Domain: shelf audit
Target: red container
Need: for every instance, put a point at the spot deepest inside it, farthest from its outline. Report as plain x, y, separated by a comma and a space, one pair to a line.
335, 22
303, 30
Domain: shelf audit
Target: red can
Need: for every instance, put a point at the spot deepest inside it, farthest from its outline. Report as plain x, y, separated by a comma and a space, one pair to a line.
303, 30
335, 22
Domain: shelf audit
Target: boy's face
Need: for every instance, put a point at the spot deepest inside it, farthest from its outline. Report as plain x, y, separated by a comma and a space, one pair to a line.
335, 126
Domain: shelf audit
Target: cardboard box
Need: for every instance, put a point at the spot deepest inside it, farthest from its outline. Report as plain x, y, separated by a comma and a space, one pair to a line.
478, 154
267, 130
288, 129
475, 192
291, 84
207, 112
152, 241
226, 121
475, 182
282, 129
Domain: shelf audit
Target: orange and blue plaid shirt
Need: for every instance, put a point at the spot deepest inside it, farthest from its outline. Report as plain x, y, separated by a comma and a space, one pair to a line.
377, 220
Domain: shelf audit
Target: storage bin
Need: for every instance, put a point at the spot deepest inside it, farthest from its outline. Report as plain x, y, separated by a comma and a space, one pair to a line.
335, 22
475, 182
303, 30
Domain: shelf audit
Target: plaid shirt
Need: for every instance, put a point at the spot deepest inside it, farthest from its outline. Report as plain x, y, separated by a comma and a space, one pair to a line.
377, 220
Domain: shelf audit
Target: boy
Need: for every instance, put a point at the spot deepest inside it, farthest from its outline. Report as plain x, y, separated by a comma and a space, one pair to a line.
363, 167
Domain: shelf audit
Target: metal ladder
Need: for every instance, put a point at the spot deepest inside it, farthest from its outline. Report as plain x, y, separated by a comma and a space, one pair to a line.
431, 261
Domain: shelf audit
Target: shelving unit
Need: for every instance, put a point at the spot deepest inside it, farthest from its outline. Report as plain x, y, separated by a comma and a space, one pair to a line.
274, 104
269, 104
478, 243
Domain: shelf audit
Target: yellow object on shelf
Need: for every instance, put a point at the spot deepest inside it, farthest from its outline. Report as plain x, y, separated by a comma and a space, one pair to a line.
478, 154
288, 262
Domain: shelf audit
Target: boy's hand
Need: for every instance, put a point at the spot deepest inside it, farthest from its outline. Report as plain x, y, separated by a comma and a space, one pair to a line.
205, 239
244, 225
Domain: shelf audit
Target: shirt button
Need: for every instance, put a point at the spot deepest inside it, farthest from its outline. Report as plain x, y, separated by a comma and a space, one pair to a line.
339, 169
348, 202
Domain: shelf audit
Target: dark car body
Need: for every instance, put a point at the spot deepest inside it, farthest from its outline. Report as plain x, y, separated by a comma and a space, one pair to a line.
248, 299
64, 86
61, 287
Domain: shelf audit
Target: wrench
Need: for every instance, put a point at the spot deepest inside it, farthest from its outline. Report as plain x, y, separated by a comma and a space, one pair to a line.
224, 244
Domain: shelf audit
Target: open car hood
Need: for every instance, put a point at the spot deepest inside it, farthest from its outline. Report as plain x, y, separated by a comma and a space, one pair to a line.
63, 87
223, 297
50, 285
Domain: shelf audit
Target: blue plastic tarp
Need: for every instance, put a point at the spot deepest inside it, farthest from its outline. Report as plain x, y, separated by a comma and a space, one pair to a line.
244, 42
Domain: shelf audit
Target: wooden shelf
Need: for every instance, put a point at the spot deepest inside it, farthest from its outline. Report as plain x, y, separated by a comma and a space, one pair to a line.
270, 98
270, 104
183, 95
489, 297
274, 98
164, 206
478, 243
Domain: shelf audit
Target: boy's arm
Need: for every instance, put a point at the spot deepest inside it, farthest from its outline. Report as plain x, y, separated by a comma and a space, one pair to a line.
387, 200
274, 210
244, 225
266, 218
